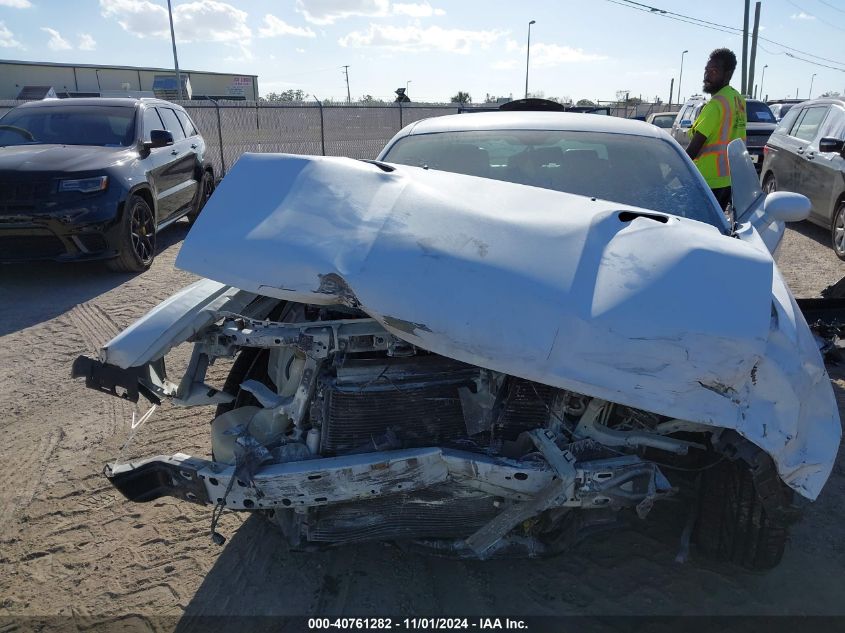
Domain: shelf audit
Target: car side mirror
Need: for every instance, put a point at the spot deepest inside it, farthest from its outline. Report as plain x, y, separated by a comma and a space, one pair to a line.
830, 144
785, 206
159, 138
686, 123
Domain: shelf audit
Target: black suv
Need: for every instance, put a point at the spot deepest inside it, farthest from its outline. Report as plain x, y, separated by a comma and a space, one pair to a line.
84, 179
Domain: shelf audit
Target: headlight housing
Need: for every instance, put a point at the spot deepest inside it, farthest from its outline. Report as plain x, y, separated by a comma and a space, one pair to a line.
85, 185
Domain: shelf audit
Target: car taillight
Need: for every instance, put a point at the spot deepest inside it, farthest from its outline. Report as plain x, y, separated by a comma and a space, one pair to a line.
765, 151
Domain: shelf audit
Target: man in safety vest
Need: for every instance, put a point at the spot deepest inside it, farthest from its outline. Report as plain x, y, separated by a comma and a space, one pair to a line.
721, 121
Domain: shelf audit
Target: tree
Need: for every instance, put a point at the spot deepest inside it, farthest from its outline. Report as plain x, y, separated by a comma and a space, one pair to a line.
371, 100
831, 93
461, 97
285, 96
585, 102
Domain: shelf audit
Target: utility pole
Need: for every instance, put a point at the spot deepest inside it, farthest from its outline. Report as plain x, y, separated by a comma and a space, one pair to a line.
671, 90
175, 59
754, 45
745, 48
348, 95
528, 56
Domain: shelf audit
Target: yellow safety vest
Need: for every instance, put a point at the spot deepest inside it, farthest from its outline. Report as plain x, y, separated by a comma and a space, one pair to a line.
722, 119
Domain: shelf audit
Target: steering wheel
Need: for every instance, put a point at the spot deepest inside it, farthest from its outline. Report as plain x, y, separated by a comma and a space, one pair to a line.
23, 132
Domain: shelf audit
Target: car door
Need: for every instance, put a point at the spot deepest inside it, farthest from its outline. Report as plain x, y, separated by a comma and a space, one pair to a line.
156, 163
680, 133
821, 174
780, 154
795, 143
805, 131
179, 176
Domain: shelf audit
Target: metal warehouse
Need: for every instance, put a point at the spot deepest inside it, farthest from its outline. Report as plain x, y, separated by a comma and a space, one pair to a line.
70, 80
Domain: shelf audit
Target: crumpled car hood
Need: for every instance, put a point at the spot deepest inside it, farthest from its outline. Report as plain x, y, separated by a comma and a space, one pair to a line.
633, 306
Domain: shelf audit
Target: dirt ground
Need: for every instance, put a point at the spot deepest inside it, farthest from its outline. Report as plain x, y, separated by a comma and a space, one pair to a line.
71, 546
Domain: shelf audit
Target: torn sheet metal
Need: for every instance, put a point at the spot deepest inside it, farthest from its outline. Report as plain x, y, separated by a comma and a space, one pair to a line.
672, 317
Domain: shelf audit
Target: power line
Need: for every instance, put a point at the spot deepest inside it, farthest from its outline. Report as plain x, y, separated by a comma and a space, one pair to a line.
827, 4
671, 15
815, 17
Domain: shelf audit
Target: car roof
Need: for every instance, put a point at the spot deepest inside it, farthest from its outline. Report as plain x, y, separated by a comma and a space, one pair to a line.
127, 102
572, 121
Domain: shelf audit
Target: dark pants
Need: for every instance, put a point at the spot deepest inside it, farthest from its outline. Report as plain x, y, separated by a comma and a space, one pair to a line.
723, 196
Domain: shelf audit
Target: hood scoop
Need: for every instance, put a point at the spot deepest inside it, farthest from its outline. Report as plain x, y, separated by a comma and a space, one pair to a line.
630, 216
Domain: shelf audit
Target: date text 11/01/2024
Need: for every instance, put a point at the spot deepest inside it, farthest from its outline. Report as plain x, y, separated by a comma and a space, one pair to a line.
315, 624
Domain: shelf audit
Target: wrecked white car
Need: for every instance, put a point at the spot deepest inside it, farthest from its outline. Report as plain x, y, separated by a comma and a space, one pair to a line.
509, 329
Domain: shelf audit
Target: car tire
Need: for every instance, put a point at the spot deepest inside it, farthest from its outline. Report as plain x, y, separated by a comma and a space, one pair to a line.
770, 183
743, 514
837, 231
137, 237
204, 191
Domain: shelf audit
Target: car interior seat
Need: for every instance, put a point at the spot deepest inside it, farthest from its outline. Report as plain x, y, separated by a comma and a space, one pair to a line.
464, 159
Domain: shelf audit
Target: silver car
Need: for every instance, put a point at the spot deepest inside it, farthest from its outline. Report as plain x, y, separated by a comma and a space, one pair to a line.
805, 154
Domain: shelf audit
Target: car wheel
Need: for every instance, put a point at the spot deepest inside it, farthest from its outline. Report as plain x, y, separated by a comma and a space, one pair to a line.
837, 231
770, 183
743, 514
137, 240
204, 191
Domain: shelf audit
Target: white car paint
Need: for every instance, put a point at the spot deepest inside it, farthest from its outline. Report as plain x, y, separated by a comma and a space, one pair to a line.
672, 317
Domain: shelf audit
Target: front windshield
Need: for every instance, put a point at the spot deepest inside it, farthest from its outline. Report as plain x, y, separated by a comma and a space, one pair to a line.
110, 126
759, 112
632, 170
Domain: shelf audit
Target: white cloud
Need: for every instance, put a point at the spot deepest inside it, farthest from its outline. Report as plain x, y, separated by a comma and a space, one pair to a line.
86, 42
16, 4
56, 42
300, 50
139, 17
243, 48
801, 16
330, 11
417, 39
510, 64
550, 55
7, 38
206, 21
422, 10
275, 27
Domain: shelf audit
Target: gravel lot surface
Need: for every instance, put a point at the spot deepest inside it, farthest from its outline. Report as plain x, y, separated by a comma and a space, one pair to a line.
71, 546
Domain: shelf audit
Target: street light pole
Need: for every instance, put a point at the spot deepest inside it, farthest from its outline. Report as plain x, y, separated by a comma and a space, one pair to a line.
407, 83
681, 77
528, 56
175, 59
762, 79
810, 94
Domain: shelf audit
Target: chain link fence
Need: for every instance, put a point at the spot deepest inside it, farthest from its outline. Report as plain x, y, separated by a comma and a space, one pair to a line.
231, 128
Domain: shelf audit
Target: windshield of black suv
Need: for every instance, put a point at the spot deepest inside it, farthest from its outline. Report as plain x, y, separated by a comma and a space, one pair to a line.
633, 170
758, 112
108, 126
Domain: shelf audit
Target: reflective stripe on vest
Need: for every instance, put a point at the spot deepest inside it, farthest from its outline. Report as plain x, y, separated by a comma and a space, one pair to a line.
719, 147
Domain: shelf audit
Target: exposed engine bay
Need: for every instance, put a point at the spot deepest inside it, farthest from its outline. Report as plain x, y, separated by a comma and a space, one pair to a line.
342, 432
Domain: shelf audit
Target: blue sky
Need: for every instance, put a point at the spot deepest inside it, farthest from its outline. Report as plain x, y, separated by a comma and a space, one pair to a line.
579, 48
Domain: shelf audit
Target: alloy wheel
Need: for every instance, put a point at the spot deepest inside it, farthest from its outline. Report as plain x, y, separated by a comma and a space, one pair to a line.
839, 231
143, 232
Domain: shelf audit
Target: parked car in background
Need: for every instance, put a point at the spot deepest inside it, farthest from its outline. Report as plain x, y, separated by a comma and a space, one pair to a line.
805, 154
780, 107
759, 125
430, 351
685, 118
662, 120
96, 179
